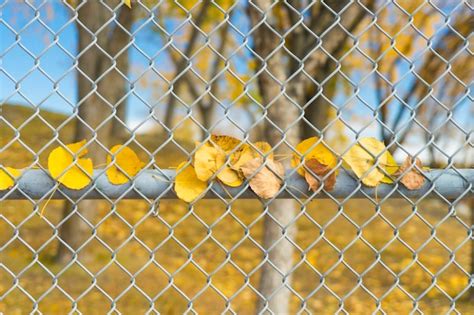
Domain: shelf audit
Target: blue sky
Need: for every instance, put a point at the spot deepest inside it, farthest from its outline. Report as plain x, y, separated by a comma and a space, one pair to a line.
36, 64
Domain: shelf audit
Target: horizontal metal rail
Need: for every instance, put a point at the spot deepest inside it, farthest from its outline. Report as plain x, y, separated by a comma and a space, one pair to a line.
156, 184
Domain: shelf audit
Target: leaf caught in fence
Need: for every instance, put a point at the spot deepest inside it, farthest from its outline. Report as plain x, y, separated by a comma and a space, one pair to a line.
187, 185
246, 153
413, 179
241, 156
320, 170
311, 149
265, 182
8, 176
391, 168
205, 161
226, 143
264, 148
225, 174
370, 160
127, 164
74, 174
210, 158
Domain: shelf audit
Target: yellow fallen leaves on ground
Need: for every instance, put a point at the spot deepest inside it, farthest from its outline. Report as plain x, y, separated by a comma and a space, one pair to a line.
8, 176
412, 179
73, 174
369, 159
187, 185
127, 164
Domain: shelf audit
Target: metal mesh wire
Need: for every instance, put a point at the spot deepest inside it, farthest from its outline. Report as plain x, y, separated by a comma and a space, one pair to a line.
400, 71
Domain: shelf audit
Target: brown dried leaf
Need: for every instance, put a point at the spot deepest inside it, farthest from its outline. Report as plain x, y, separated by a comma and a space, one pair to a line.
413, 179
321, 170
266, 182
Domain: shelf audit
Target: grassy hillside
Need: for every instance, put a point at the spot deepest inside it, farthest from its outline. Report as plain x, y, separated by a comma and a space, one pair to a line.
140, 253
27, 137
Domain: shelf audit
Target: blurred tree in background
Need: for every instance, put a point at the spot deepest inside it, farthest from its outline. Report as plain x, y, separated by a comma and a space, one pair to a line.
294, 69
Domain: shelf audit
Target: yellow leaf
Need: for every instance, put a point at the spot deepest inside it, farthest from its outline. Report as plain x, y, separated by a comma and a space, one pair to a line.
391, 168
226, 143
7, 177
187, 185
72, 174
361, 158
241, 156
210, 158
310, 150
246, 153
128, 3
227, 175
266, 182
264, 148
205, 161
127, 164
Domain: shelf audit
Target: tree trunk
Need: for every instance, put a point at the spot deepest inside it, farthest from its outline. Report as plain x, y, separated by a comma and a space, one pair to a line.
278, 229
317, 112
471, 269
284, 114
117, 80
97, 94
206, 113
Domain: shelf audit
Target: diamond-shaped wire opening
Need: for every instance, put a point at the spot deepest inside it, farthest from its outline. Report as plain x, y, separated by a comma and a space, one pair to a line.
372, 254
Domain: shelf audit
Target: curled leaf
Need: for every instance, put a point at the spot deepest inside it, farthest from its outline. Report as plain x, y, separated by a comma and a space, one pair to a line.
361, 158
210, 158
266, 182
226, 143
127, 164
320, 170
246, 153
311, 149
264, 148
391, 168
225, 174
413, 179
205, 161
74, 174
187, 185
241, 156
8, 176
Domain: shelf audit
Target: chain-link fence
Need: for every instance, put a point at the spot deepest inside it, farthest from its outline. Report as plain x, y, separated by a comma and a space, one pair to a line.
161, 77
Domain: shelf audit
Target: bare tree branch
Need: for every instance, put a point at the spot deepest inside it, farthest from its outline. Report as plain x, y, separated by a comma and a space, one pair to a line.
431, 69
201, 15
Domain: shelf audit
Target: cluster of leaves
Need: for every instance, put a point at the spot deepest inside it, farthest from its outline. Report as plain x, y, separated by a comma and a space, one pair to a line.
69, 166
230, 162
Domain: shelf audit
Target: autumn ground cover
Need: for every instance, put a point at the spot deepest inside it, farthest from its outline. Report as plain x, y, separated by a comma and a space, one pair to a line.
142, 254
